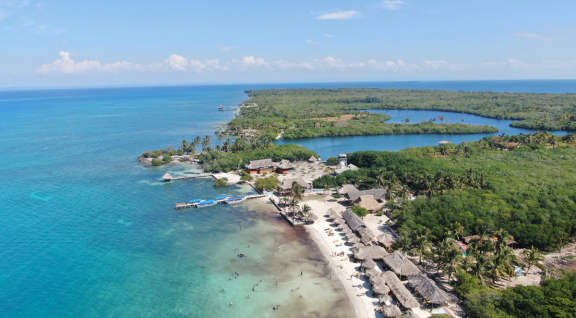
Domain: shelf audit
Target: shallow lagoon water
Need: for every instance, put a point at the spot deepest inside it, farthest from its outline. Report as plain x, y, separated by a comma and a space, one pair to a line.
89, 232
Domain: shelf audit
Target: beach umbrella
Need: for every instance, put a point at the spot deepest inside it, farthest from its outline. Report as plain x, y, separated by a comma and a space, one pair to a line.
353, 239
385, 298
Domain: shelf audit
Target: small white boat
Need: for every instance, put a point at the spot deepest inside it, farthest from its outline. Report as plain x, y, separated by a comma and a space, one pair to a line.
235, 200
206, 203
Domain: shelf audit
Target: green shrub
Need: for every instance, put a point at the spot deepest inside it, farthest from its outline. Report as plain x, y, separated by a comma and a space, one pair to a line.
360, 211
156, 162
246, 178
332, 160
336, 196
221, 182
270, 183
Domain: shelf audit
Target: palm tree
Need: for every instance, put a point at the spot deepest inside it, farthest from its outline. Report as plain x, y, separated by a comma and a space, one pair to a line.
421, 244
505, 262
441, 118
502, 238
297, 192
197, 141
532, 257
184, 145
450, 259
457, 230
307, 211
402, 245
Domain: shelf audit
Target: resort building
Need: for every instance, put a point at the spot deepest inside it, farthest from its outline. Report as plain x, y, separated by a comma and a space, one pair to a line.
378, 195
285, 166
345, 189
287, 184
260, 166
369, 203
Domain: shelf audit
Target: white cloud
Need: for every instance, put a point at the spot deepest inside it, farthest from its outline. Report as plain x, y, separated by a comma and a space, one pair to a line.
328, 35
227, 48
391, 4
179, 64
339, 15
312, 42
534, 36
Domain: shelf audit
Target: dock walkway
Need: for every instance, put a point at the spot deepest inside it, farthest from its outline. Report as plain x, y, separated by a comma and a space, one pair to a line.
185, 205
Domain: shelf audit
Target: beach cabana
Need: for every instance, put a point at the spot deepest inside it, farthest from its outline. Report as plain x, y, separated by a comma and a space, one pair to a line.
373, 272
366, 233
391, 311
260, 166
400, 264
285, 166
353, 239
373, 252
288, 183
428, 288
385, 298
167, 177
338, 221
380, 289
345, 188
353, 220
368, 263
385, 238
401, 293
369, 203
377, 194
358, 245
312, 159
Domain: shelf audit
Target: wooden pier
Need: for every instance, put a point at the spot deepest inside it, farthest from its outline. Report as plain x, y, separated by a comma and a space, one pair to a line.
185, 205
167, 177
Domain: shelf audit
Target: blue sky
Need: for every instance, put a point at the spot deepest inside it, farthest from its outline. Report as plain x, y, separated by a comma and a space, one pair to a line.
63, 43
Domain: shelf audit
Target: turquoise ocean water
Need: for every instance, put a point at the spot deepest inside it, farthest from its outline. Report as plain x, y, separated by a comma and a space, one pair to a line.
87, 231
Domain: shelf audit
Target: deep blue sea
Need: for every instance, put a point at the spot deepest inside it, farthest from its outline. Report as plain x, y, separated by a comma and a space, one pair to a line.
87, 231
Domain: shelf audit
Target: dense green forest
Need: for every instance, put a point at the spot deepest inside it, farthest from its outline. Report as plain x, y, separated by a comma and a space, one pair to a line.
304, 109
317, 113
523, 184
555, 298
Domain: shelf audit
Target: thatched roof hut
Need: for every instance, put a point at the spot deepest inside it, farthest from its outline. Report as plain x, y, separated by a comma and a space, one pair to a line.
373, 272
366, 232
377, 194
385, 238
369, 203
353, 220
427, 288
391, 311
262, 163
312, 159
345, 188
287, 184
380, 289
353, 239
384, 298
338, 221
167, 177
358, 245
373, 252
284, 165
368, 263
401, 293
400, 264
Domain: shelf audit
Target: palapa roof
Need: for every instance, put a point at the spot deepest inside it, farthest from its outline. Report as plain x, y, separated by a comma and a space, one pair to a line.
285, 165
373, 252
368, 263
287, 183
400, 264
345, 188
262, 163
380, 288
353, 220
385, 298
167, 176
338, 221
312, 159
427, 288
399, 290
385, 238
378, 194
369, 203
373, 272
391, 311
353, 239
366, 235
358, 245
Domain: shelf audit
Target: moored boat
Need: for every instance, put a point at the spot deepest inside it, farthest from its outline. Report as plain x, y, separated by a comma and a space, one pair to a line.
206, 203
222, 198
235, 200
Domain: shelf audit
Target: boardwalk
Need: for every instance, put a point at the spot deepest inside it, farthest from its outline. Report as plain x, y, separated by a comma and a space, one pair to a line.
167, 177
185, 205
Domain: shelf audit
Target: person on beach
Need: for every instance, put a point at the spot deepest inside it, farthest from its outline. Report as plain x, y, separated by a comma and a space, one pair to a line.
301, 273
231, 304
223, 290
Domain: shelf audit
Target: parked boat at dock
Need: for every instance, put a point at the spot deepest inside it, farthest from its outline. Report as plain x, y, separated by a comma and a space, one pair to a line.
206, 203
222, 198
235, 200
